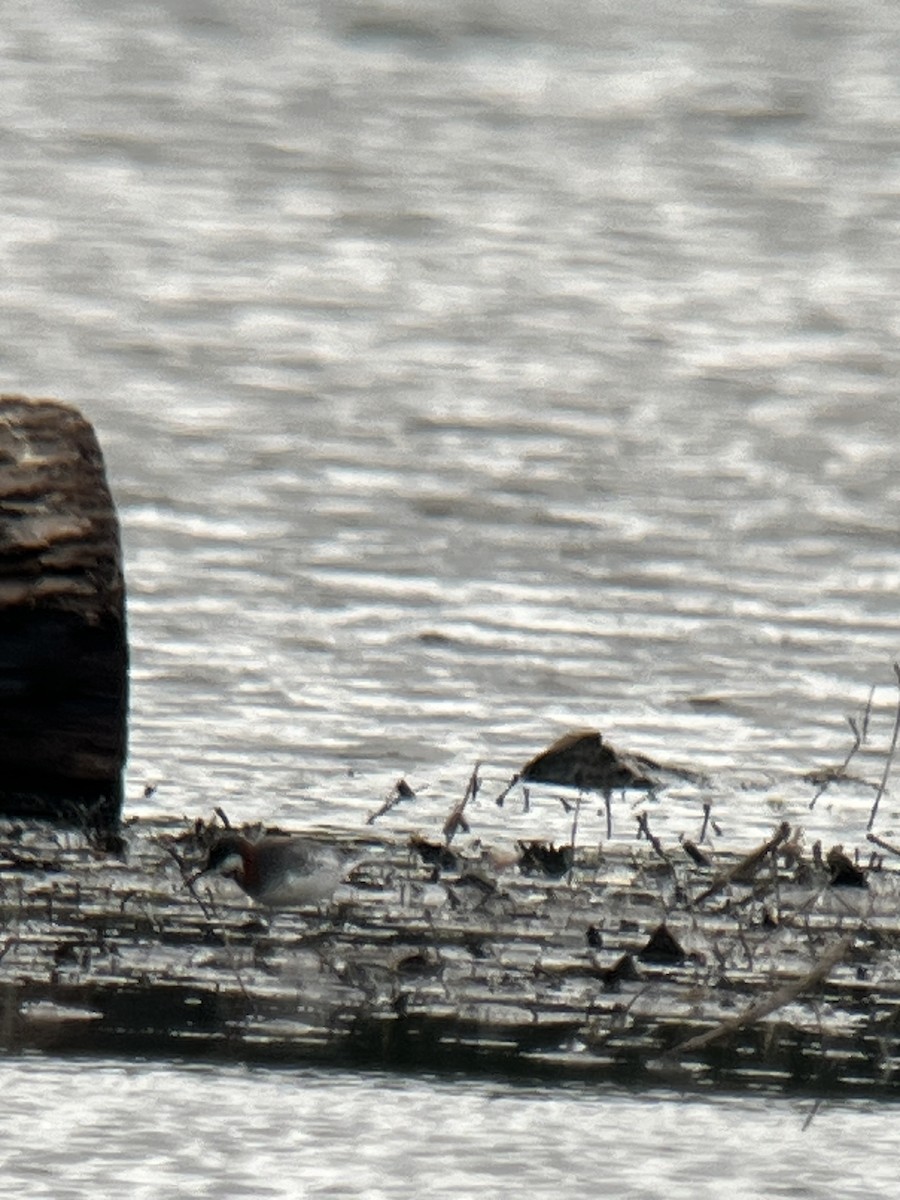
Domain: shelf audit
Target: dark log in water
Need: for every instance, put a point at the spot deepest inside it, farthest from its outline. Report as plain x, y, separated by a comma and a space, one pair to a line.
63, 650
781, 980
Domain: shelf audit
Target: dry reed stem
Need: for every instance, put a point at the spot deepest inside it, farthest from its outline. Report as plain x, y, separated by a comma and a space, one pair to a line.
401, 791
643, 823
748, 864
859, 737
890, 757
456, 820
888, 846
756, 1012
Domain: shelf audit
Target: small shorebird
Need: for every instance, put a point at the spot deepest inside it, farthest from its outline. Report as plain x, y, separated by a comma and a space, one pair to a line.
582, 759
279, 871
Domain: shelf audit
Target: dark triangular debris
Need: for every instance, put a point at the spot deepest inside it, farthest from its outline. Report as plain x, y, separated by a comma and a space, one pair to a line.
662, 948
622, 971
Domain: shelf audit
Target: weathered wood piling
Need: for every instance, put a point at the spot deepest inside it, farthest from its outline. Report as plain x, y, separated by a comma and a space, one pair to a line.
63, 646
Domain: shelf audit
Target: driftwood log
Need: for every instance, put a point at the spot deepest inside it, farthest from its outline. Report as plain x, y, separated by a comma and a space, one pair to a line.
618, 970
63, 648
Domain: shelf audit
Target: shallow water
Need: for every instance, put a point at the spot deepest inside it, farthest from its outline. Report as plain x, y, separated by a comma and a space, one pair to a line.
465, 374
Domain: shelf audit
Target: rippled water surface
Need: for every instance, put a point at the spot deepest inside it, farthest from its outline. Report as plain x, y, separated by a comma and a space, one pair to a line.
150, 1131
469, 372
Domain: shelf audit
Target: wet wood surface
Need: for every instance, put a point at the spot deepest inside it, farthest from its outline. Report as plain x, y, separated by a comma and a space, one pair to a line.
63, 649
626, 964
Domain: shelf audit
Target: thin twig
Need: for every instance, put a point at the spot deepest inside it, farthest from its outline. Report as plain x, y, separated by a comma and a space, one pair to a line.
889, 846
401, 791
509, 787
694, 853
644, 831
812, 1114
188, 877
756, 1012
747, 864
456, 820
859, 737
890, 757
573, 836
707, 809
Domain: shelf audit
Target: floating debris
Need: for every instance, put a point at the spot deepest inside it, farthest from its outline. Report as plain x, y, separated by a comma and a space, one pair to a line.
434, 854
543, 858
662, 947
844, 872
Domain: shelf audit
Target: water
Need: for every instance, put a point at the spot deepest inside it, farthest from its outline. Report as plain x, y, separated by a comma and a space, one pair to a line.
155, 1131
467, 373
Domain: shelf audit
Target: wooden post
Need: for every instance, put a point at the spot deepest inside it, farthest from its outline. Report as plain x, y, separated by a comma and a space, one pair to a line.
63, 645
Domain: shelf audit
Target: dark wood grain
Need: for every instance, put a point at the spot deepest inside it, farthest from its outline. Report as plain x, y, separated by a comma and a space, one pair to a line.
63, 647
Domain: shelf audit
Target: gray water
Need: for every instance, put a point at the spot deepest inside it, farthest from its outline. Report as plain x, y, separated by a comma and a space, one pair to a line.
467, 372
148, 1131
